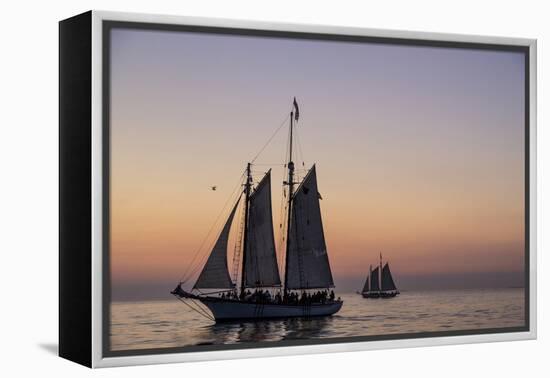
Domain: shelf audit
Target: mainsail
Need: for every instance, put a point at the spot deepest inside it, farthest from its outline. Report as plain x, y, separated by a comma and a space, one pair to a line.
374, 284
387, 280
307, 266
215, 273
261, 261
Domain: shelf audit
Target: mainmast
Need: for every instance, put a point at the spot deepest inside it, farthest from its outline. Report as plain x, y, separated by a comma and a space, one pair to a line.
247, 186
380, 273
370, 281
290, 183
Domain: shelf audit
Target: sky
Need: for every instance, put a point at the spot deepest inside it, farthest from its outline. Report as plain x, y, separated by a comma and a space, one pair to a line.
419, 153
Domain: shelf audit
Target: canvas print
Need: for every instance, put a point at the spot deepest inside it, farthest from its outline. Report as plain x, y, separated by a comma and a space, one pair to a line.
268, 190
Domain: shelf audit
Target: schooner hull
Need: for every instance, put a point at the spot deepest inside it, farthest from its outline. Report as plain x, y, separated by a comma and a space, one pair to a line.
382, 294
236, 310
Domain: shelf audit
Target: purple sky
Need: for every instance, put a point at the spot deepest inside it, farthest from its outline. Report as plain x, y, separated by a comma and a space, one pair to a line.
419, 150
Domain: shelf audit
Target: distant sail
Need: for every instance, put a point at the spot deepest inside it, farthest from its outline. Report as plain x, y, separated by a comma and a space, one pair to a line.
387, 280
308, 265
261, 261
215, 274
375, 286
366, 287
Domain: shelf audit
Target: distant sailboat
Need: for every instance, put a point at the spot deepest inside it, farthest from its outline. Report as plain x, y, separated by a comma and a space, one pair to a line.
379, 283
261, 295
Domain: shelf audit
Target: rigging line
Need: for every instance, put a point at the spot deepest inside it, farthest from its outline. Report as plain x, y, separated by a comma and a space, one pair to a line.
202, 261
270, 138
284, 208
238, 245
215, 292
282, 228
199, 309
203, 307
194, 309
281, 242
268, 165
183, 277
205, 256
192, 269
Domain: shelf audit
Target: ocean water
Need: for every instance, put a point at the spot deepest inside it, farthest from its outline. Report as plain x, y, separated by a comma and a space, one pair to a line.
169, 323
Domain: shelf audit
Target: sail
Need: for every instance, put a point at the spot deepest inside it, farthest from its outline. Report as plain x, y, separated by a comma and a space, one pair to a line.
215, 274
374, 285
366, 287
308, 264
387, 280
260, 259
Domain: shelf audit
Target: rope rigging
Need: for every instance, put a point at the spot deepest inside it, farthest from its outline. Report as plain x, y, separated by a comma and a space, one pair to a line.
206, 252
198, 310
256, 256
270, 139
201, 254
187, 274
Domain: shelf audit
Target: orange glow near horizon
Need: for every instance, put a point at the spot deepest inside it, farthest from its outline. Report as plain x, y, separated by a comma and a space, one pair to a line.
426, 166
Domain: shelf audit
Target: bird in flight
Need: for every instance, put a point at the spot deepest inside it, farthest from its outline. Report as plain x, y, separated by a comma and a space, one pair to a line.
214, 188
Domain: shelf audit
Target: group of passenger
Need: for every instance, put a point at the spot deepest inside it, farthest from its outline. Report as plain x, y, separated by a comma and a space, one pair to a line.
287, 297
307, 298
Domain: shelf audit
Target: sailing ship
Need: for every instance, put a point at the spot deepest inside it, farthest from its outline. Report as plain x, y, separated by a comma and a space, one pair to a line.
307, 289
379, 283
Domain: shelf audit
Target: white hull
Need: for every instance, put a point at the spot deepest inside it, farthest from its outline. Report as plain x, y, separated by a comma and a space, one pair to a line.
228, 310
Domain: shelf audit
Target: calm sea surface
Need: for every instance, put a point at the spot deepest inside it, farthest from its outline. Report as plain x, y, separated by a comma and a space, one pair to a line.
162, 324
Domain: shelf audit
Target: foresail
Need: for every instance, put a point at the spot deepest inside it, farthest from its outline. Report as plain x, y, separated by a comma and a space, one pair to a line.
215, 273
387, 280
308, 264
374, 281
260, 258
366, 287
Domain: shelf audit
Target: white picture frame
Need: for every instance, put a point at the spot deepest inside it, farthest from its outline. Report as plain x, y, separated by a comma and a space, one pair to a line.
94, 352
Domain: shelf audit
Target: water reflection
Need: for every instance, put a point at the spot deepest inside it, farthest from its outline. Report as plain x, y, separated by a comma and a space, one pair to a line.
163, 324
265, 330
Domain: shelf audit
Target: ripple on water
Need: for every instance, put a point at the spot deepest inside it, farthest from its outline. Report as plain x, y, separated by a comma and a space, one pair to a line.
161, 324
